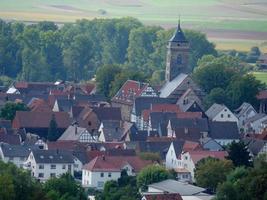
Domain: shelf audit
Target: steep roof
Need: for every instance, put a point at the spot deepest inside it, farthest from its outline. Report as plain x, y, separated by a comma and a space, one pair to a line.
214, 110
16, 150
243, 108
170, 86
9, 138
143, 103
172, 186
255, 145
129, 91
178, 35
223, 130
256, 117
198, 155
53, 156
115, 163
195, 123
188, 99
107, 113
72, 133
26, 119
112, 130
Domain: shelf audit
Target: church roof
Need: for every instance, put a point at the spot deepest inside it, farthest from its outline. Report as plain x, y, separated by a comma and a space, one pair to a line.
178, 35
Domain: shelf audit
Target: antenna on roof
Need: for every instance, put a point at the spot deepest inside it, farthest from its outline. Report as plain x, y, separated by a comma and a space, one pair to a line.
179, 21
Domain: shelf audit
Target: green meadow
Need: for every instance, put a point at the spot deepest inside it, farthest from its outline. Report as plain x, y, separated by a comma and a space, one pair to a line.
262, 76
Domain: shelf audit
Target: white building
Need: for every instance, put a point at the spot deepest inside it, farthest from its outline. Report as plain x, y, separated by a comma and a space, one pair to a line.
105, 168
16, 154
255, 124
244, 112
220, 113
45, 164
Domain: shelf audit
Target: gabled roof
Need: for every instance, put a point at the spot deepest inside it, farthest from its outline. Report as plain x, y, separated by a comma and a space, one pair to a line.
53, 156
39, 105
129, 91
144, 103
162, 197
65, 105
196, 123
16, 150
9, 138
160, 117
255, 145
243, 108
200, 154
224, 130
26, 119
107, 113
170, 86
214, 110
115, 163
73, 133
112, 130
188, 99
259, 116
172, 186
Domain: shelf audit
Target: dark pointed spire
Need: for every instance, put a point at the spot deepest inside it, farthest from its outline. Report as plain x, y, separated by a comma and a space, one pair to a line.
178, 35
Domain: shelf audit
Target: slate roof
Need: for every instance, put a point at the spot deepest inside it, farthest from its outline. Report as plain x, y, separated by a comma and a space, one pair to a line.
256, 118
170, 86
107, 113
172, 186
16, 150
160, 117
53, 156
188, 99
115, 163
224, 130
112, 130
192, 134
255, 145
178, 146
139, 136
25, 119
144, 103
196, 123
163, 197
214, 110
178, 35
64, 105
10, 138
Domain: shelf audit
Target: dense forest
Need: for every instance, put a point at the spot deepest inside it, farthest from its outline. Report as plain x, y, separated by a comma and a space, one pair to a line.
74, 52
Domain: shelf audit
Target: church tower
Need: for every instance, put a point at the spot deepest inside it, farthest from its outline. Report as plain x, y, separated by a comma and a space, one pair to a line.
177, 55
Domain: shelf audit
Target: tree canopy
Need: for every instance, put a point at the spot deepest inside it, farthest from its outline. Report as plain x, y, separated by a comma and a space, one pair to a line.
9, 110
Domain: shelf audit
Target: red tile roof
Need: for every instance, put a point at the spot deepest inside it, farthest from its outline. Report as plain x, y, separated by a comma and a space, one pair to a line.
191, 146
163, 197
9, 138
39, 105
27, 119
129, 91
116, 163
262, 95
198, 155
160, 108
189, 115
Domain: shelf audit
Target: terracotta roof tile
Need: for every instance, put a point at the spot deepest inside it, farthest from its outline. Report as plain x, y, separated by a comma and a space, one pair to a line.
198, 155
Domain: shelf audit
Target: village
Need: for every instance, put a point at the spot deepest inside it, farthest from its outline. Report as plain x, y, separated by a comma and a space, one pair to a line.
70, 128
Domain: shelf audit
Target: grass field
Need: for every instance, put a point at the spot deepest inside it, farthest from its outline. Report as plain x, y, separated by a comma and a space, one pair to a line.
262, 76
220, 19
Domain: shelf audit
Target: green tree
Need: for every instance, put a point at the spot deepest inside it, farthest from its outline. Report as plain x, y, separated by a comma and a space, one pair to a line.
9, 110
238, 153
213, 72
216, 95
151, 174
64, 187
6, 187
209, 172
104, 77
244, 89
53, 134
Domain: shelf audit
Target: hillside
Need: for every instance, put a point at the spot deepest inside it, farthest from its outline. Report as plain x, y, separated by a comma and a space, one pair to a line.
239, 24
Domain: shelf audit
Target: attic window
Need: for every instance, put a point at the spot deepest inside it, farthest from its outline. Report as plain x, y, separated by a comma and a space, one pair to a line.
42, 157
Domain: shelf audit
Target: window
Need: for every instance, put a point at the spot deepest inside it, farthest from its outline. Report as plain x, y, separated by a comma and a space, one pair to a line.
63, 166
41, 175
41, 166
89, 123
76, 165
52, 175
100, 184
101, 174
221, 115
185, 176
179, 59
229, 115
53, 167
109, 174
